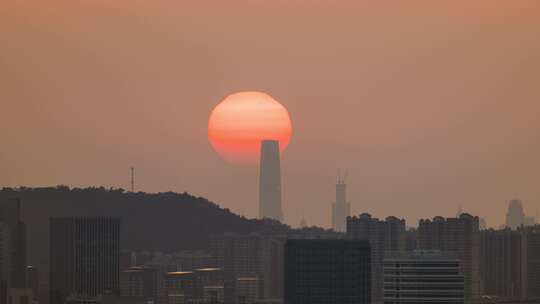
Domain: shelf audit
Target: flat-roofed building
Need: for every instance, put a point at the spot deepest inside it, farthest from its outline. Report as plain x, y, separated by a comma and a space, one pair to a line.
139, 282
180, 283
213, 294
84, 257
327, 272
247, 290
423, 276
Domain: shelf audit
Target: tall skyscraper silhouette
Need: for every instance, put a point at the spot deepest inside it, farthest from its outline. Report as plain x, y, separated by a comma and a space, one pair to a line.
84, 258
10, 215
270, 181
341, 209
515, 216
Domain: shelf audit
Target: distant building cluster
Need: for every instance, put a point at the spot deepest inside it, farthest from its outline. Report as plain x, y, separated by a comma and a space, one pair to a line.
363, 260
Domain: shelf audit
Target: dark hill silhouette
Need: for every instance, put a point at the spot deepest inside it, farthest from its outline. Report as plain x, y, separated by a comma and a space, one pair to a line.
165, 222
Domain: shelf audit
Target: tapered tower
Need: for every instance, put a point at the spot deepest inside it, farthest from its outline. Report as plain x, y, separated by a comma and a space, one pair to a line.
270, 181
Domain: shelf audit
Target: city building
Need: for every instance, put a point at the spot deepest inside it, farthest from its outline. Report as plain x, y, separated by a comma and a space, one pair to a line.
115, 299
529, 221
515, 216
423, 277
410, 239
5, 265
205, 278
192, 260
247, 290
510, 263
385, 237
459, 237
531, 264
327, 272
341, 208
128, 259
179, 298
84, 258
33, 281
139, 282
10, 214
501, 270
180, 286
270, 181
245, 256
213, 294
20, 296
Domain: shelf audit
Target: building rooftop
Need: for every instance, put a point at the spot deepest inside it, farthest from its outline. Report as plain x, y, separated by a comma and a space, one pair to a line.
208, 269
179, 273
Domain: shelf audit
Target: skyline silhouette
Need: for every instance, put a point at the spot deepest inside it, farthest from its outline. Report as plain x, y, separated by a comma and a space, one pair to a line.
429, 105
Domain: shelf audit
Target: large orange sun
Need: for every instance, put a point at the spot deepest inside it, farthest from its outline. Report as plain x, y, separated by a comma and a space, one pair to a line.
242, 120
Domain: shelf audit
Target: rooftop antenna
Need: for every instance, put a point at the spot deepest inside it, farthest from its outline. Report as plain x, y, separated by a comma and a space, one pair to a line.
132, 179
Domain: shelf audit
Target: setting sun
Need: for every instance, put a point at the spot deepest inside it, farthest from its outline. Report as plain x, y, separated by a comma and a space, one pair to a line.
239, 123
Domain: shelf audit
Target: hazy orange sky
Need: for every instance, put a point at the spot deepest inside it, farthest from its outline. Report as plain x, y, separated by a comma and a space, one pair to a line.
429, 104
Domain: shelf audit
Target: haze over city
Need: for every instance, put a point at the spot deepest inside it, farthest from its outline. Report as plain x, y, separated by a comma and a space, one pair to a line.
430, 106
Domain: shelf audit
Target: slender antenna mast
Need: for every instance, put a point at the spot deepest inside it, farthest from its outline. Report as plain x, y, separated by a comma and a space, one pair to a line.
132, 179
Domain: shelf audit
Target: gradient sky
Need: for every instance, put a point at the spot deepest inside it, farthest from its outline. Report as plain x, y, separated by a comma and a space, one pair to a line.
429, 104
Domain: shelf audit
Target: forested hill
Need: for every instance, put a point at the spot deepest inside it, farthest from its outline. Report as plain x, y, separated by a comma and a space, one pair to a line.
162, 221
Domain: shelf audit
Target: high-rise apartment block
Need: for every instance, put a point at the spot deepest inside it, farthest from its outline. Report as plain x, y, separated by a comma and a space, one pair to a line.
270, 181
385, 237
327, 272
457, 236
84, 258
510, 263
423, 277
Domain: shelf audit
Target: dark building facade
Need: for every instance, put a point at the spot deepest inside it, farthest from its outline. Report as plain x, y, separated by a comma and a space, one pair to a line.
33, 281
10, 214
458, 236
385, 237
423, 277
270, 181
531, 244
501, 270
327, 272
510, 263
84, 257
